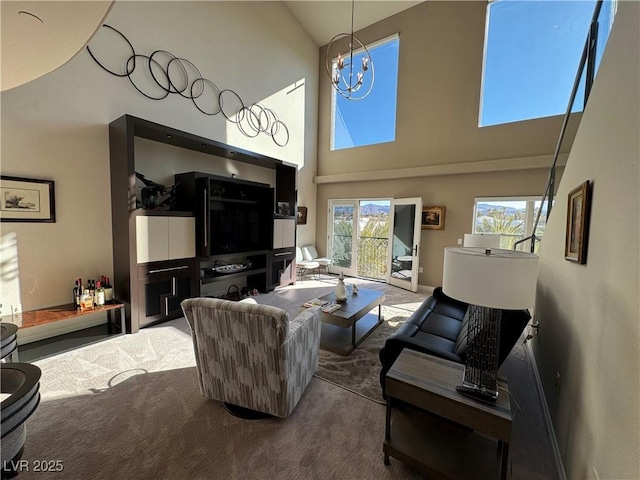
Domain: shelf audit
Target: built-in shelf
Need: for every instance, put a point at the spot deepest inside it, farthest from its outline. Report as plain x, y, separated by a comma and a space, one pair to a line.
162, 213
183, 277
217, 277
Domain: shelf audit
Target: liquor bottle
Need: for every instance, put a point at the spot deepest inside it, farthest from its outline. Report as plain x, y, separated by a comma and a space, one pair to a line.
78, 297
86, 302
90, 290
75, 295
99, 295
108, 292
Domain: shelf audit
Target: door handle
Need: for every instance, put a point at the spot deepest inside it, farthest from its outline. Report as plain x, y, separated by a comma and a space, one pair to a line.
168, 269
415, 250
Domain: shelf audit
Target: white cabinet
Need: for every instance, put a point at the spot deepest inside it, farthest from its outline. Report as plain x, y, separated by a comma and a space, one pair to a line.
165, 238
284, 233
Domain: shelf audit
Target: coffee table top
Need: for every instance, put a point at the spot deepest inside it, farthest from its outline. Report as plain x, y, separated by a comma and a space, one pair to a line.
356, 305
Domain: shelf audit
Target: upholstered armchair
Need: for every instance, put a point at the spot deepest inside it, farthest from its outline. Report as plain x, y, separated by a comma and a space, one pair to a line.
252, 356
311, 255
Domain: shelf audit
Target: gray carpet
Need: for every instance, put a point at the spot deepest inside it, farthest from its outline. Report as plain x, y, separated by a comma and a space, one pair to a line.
360, 371
130, 407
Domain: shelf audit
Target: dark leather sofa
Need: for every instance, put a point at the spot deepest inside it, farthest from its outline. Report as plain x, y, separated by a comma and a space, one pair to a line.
439, 327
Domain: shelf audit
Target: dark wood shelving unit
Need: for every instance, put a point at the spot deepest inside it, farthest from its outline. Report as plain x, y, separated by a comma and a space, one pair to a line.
229, 276
133, 281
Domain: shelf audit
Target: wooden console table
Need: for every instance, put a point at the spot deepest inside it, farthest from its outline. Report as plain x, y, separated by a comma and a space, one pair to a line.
446, 435
67, 311
47, 316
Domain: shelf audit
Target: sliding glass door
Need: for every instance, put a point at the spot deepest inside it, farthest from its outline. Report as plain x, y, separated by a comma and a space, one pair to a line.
358, 237
343, 218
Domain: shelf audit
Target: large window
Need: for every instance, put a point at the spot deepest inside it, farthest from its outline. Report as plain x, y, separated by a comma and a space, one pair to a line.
531, 58
511, 218
372, 119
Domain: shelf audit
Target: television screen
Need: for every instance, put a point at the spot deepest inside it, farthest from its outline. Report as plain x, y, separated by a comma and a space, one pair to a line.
238, 228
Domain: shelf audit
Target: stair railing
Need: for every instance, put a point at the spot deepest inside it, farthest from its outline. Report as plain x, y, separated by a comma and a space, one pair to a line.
588, 58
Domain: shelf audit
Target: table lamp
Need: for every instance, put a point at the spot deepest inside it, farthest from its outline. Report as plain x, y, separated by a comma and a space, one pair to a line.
481, 240
489, 280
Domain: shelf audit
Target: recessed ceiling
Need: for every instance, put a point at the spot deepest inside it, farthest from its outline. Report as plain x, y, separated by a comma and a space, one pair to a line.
325, 19
38, 37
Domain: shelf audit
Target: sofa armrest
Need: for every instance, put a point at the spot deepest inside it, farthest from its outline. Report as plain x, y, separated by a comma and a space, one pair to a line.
396, 343
394, 346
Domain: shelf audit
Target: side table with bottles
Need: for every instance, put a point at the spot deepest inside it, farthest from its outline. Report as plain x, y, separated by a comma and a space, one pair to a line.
116, 325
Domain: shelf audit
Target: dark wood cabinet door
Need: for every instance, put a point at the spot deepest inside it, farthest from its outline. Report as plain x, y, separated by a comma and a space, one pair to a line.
160, 294
283, 267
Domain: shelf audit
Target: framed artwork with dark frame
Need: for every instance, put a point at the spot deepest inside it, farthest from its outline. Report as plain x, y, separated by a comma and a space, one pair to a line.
302, 216
578, 212
27, 200
433, 218
283, 209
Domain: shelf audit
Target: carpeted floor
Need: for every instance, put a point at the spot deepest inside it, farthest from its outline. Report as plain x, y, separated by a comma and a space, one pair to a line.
360, 371
130, 407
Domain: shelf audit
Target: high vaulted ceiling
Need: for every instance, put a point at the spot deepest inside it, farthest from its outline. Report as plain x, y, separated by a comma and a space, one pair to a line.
325, 19
40, 36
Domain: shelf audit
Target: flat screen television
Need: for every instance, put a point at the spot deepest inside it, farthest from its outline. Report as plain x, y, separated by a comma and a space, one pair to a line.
239, 227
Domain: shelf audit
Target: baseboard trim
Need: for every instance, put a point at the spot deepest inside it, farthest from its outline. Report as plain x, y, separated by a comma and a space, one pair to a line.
547, 415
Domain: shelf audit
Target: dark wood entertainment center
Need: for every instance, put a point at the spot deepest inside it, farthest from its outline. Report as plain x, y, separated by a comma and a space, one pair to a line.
162, 257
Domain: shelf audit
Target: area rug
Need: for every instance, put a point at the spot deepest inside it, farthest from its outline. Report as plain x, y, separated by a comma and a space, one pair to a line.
360, 372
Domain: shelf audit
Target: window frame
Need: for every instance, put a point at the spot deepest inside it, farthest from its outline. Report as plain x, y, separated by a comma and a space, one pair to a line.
370, 47
579, 107
529, 218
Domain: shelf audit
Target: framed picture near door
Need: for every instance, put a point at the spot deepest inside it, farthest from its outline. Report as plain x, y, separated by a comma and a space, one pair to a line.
433, 218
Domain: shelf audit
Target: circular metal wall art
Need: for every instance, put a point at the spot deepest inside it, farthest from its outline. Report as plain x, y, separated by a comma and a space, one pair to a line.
150, 63
180, 76
133, 53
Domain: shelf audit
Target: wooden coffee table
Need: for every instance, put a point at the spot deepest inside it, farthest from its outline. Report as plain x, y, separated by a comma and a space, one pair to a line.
346, 328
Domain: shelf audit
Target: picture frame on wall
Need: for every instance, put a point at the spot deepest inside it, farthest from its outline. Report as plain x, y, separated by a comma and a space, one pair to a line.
284, 209
302, 216
578, 213
433, 218
27, 200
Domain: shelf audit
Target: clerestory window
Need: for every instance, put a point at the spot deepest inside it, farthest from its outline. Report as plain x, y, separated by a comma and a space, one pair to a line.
531, 57
373, 119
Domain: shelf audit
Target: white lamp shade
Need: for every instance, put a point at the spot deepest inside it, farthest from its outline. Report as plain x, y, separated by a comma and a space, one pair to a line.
504, 279
480, 240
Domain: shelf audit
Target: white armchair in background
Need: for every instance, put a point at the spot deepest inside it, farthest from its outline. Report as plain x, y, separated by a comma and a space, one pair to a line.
311, 255
303, 265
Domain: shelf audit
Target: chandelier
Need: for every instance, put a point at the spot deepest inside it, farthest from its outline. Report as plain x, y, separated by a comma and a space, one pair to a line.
351, 72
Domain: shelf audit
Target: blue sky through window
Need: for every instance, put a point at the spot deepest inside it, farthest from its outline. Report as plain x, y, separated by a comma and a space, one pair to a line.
532, 52
373, 119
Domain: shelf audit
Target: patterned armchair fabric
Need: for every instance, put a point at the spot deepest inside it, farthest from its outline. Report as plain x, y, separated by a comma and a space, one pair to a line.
251, 355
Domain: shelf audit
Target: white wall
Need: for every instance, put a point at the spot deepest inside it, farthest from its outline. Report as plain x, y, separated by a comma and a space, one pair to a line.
56, 127
589, 314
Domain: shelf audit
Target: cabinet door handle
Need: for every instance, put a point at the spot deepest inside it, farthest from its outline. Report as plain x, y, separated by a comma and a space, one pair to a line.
166, 306
205, 214
173, 286
281, 253
169, 269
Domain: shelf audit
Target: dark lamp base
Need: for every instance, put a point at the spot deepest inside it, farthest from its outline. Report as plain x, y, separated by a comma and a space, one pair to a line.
478, 392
